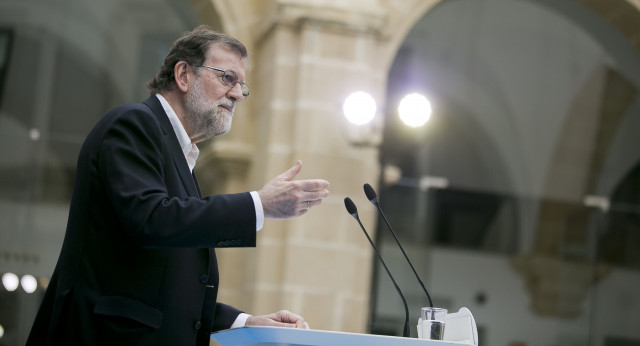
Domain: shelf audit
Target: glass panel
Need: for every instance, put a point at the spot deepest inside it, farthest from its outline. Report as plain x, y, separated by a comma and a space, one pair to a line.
62, 65
520, 198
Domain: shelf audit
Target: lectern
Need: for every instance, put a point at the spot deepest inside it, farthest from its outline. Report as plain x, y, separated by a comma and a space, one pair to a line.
271, 336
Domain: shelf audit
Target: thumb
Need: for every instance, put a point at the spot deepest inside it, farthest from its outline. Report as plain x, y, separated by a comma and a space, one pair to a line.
292, 172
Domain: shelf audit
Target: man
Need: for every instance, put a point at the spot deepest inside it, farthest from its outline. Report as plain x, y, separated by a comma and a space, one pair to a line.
137, 266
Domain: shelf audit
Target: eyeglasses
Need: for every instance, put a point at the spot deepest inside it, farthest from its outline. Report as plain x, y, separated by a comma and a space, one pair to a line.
230, 79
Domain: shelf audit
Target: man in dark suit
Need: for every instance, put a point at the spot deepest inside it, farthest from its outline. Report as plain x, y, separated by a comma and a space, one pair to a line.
137, 266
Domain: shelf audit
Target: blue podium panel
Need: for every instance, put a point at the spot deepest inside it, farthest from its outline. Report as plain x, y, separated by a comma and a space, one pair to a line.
272, 336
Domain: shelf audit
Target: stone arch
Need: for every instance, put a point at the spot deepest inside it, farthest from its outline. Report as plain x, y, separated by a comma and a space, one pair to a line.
402, 17
624, 15
612, 105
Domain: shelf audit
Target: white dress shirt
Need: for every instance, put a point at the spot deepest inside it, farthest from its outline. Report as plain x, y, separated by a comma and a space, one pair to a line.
191, 152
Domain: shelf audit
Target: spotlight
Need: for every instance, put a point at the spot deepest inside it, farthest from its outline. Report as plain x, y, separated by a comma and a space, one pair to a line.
359, 108
414, 110
10, 281
29, 283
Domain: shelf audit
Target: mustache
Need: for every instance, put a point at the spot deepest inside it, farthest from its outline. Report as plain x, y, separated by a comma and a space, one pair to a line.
227, 104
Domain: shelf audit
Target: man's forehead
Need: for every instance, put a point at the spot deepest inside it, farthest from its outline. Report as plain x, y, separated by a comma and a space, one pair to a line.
220, 53
227, 59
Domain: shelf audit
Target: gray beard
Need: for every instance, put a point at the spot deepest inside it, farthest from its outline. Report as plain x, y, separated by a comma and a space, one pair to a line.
206, 120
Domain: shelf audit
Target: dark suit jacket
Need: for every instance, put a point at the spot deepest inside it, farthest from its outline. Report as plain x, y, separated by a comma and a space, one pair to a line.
137, 265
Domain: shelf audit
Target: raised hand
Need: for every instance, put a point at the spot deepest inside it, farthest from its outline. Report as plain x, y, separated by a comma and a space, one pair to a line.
284, 198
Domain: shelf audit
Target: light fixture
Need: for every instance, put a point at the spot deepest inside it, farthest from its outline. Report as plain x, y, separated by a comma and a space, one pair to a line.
10, 281
363, 129
359, 108
1, 331
430, 181
601, 202
414, 110
29, 283
34, 134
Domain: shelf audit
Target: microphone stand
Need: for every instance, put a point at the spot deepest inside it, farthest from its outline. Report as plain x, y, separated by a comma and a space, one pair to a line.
351, 208
373, 198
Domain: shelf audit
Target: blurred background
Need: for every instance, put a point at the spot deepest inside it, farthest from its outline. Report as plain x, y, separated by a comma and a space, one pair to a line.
511, 173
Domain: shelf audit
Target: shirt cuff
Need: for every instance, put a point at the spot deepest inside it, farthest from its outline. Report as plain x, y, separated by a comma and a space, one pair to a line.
257, 202
240, 321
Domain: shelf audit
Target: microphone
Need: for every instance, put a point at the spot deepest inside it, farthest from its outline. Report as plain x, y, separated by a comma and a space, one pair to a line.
373, 198
351, 208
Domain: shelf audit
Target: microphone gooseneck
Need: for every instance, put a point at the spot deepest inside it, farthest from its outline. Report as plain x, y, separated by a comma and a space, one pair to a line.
353, 211
373, 198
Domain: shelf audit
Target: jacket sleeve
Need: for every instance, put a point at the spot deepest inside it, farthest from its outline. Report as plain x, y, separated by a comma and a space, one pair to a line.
135, 167
225, 315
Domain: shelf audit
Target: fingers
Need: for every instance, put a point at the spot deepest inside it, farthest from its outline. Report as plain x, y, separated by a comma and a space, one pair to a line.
310, 199
283, 318
292, 172
304, 206
302, 325
306, 185
294, 320
284, 198
313, 184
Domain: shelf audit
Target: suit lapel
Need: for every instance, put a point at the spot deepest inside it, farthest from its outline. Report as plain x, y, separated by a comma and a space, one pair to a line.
195, 180
188, 179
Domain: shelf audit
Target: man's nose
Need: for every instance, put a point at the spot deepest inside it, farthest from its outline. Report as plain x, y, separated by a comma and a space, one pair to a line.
235, 93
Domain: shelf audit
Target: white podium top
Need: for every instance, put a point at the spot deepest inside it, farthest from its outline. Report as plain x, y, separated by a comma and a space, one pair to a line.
272, 336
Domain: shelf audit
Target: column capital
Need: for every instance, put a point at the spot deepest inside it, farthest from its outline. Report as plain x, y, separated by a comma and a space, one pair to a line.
361, 16
558, 287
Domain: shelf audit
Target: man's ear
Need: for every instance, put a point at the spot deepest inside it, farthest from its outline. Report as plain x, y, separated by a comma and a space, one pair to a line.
181, 74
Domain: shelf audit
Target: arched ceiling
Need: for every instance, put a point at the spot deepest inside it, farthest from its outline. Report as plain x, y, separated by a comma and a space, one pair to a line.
624, 15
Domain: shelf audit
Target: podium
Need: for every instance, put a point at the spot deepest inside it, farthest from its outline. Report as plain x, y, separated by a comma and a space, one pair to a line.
272, 336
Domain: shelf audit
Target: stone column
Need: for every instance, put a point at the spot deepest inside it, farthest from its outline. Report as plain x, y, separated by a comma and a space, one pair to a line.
306, 60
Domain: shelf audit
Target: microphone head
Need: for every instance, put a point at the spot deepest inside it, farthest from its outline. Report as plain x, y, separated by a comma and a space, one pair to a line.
371, 194
351, 208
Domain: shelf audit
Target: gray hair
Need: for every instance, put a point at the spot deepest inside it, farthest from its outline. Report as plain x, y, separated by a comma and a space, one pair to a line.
192, 48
